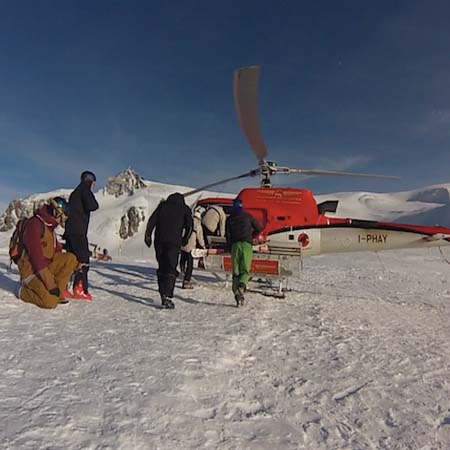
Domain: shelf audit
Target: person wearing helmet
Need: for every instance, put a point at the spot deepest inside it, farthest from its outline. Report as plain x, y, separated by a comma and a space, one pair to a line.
172, 222
241, 228
44, 269
81, 203
195, 241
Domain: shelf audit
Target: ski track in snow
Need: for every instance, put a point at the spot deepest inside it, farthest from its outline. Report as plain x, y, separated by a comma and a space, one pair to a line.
357, 356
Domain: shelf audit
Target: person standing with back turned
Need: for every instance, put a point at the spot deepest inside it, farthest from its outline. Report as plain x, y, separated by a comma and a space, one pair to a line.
81, 203
172, 222
241, 228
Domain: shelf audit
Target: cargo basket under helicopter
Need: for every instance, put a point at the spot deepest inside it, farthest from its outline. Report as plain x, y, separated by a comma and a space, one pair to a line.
266, 268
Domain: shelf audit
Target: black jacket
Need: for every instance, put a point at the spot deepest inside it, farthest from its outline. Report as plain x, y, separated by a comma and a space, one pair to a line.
241, 227
172, 221
81, 203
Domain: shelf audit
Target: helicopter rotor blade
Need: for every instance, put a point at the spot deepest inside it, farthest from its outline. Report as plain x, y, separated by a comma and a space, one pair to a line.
246, 102
252, 173
287, 170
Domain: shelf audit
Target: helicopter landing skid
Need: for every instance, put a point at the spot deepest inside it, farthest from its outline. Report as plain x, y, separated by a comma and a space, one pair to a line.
269, 273
269, 287
268, 293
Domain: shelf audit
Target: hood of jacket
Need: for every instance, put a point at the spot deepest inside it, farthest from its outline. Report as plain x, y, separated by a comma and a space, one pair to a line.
176, 199
44, 215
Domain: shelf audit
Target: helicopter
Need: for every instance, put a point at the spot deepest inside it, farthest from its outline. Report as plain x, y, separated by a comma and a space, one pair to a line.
294, 225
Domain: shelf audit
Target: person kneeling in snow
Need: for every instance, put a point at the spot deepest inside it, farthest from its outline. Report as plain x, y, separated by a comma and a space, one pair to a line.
44, 269
172, 221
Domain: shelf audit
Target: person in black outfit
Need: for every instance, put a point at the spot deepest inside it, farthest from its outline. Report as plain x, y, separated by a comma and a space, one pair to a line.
172, 222
81, 203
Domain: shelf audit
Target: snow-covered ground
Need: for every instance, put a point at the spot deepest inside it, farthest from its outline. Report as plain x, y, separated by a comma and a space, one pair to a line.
357, 356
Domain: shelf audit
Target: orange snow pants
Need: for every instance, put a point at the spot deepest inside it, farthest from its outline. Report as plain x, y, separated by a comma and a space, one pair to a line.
34, 291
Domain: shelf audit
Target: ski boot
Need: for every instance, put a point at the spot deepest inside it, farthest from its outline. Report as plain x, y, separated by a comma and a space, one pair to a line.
239, 295
167, 303
65, 297
187, 285
79, 294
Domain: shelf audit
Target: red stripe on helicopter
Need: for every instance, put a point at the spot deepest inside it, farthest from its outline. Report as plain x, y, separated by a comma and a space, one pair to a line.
258, 266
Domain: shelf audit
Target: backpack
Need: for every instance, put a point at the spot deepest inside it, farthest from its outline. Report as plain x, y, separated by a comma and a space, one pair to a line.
16, 246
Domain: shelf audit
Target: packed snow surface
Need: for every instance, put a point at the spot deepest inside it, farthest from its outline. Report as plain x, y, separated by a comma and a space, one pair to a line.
357, 356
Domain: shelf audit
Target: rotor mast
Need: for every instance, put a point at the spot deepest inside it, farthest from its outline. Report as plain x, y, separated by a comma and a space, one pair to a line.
245, 93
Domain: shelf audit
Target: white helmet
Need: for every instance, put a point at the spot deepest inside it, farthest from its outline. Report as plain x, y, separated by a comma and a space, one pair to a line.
199, 211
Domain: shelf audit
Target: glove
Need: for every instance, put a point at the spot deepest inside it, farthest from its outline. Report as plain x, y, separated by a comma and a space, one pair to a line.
148, 241
55, 291
47, 278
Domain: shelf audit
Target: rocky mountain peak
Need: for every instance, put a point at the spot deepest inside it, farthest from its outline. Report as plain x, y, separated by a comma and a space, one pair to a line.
125, 182
19, 209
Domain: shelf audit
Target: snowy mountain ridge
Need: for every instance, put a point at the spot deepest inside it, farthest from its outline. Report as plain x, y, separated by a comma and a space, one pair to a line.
127, 201
425, 206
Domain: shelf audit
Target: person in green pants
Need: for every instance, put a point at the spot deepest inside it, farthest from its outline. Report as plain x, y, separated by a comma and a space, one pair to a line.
240, 229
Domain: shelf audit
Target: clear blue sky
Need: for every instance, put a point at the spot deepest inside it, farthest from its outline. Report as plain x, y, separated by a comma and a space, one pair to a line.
103, 85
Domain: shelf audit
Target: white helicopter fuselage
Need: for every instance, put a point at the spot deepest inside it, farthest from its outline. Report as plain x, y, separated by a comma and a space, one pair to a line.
317, 241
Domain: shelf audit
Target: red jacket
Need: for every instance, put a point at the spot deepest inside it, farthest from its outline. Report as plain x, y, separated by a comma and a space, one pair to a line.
33, 239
